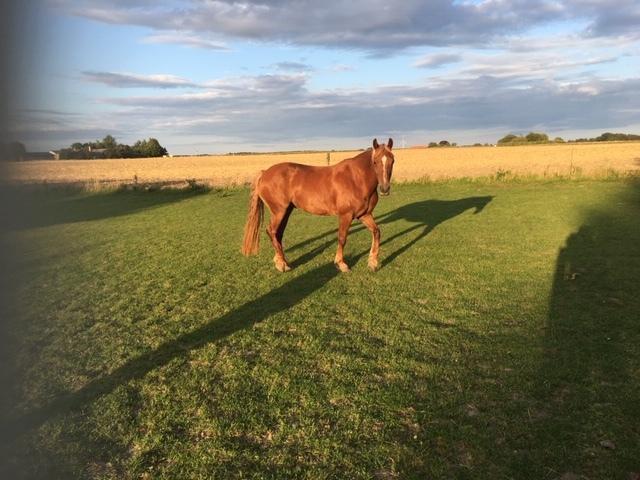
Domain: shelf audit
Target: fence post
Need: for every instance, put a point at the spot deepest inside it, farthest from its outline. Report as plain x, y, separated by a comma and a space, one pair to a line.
328, 158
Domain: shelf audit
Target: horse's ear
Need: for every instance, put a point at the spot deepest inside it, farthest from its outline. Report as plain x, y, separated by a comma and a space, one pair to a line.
390, 143
375, 144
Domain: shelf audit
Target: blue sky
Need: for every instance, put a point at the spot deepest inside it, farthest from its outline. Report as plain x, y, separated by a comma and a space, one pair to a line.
217, 76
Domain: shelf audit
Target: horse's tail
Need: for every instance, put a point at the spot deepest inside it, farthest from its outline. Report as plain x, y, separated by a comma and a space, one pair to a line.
251, 242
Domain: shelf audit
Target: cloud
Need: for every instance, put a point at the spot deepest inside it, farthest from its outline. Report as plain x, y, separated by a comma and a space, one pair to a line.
293, 66
437, 60
280, 111
45, 129
129, 80
535, 65
188, 40
607, 19
370, 25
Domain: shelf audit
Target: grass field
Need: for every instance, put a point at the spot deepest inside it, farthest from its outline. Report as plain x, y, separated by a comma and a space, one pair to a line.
499, 339
411, 164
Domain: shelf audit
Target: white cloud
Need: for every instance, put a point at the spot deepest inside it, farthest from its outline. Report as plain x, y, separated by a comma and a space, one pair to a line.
189, 40
437, 60
289, 66
370, 25
131, 80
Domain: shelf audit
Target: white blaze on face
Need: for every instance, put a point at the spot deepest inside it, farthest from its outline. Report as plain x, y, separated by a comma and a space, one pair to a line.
384, 167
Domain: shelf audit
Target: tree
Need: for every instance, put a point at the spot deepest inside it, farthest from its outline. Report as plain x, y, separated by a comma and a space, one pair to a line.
534, 137
110, 144
511, 138
444, 143
113, 149
125, 151
558, 140
154, 149
149, 148
610, 137
531, 137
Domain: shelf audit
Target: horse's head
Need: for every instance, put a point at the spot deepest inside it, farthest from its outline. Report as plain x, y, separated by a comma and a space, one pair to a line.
382, 159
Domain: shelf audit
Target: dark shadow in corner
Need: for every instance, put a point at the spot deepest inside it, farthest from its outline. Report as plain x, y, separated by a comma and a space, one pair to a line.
589, 383
425, 215
41, 207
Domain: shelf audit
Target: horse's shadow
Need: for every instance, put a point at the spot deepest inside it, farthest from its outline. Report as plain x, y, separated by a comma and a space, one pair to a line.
424, 217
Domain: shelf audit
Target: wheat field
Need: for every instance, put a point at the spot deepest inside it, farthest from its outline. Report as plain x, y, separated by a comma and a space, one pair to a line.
411, 164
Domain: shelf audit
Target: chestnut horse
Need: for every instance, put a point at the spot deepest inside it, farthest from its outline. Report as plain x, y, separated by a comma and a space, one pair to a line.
348, 189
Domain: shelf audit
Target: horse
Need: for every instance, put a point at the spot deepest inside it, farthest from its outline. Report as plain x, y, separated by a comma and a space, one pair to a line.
348, 189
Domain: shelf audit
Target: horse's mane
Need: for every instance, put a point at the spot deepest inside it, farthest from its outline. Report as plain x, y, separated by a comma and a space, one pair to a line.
368, 150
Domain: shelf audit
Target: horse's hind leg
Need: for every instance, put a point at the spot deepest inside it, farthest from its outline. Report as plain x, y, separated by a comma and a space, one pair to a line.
275, 230
343, 230
280, 234
283, 224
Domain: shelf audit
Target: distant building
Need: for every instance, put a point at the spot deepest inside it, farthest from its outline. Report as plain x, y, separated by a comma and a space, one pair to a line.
40, 156
97, 152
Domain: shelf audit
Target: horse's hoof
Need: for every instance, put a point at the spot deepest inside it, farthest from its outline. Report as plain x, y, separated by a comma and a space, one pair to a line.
343, 267
282, 267
373, 265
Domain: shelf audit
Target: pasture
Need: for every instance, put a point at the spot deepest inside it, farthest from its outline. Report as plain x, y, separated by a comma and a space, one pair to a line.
499, 339
412, 164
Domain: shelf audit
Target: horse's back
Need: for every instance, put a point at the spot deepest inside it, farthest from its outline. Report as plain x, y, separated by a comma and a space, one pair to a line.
289, 175
321, 190
289, 169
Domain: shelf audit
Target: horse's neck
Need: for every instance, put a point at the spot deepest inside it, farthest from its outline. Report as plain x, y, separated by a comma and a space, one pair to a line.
363, 160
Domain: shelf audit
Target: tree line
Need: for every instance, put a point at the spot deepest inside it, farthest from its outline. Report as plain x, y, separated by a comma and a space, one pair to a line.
442, 143
108, 147
531, 137
610, 137
536, 138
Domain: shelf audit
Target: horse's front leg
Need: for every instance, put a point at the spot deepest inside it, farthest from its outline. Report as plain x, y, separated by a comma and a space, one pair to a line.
370, 223
343, 230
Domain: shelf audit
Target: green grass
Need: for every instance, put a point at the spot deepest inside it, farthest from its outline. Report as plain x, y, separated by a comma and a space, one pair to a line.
500, 339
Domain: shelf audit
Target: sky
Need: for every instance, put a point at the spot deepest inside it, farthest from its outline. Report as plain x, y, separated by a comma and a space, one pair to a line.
216, 76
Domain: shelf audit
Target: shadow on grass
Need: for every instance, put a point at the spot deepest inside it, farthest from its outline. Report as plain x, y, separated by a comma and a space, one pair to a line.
589, 386
42, 208
425, 215
255, 311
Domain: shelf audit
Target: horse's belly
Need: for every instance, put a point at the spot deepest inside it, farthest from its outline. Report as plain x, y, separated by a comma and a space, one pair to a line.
313, 205
328, 203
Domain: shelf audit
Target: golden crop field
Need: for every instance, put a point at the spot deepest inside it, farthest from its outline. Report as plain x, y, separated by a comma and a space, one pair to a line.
411, 164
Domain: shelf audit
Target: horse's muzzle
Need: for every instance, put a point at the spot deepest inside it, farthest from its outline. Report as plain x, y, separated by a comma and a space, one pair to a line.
384, 191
